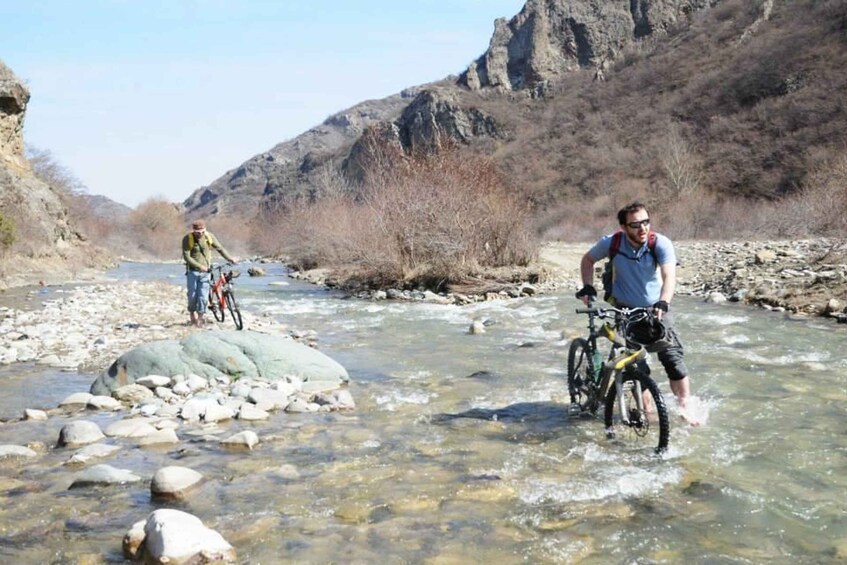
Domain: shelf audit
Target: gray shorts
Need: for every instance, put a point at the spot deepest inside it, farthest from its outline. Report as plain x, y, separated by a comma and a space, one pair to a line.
671, 356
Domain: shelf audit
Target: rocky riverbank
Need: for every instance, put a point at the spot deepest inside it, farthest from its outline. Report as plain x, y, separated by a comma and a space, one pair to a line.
803, 277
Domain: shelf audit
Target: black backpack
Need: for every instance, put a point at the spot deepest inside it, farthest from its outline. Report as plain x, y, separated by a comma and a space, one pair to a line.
608, 272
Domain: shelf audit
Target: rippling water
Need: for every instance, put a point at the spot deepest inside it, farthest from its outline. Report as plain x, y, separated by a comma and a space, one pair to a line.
462, 450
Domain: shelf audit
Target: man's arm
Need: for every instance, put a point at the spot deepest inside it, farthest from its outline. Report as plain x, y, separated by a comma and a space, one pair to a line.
668, 272
217, 245
586, 270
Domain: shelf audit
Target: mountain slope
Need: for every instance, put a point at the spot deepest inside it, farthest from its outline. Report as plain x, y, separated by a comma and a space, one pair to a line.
586, 103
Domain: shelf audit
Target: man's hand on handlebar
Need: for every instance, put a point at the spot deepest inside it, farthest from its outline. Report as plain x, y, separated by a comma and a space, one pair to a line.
587, 294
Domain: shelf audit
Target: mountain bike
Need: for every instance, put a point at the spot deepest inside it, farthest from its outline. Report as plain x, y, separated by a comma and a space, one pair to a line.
634, 408
222, 294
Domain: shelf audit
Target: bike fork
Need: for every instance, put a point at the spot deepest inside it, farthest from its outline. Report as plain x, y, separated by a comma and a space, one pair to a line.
622, 398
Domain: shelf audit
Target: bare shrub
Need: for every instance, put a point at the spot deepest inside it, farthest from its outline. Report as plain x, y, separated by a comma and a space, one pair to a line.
423, 219
157, 226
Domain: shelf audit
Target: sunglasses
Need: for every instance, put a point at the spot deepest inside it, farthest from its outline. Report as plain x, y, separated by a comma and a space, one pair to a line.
636, 225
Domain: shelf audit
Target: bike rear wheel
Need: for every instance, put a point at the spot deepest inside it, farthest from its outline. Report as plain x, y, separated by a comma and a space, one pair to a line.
648, 427
215, 305
580, 373
234, 311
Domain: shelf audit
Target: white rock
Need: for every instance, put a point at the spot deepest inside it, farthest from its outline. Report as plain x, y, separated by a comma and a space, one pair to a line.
181, 389
104, 403
104, 475
11, 451
217, 413
153, 381
251, 412
246, 438
79, 432
134, 427
33, 414
167, 435
90, 452
176, 537
196, 383
174, 481
77, 398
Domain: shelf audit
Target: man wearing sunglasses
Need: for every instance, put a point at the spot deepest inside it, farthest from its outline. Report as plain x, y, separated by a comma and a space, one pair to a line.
644, 267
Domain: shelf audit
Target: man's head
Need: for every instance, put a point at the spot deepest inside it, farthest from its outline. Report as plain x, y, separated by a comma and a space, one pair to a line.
199, 226
635, 222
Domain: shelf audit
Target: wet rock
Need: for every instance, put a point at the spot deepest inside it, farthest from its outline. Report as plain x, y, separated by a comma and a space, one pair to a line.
174, 481
104, 475
134, 427
93, 451
246, 438
16, 451
80, 432
477, 327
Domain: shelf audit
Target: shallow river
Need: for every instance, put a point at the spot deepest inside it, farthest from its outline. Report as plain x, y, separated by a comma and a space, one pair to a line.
461, 449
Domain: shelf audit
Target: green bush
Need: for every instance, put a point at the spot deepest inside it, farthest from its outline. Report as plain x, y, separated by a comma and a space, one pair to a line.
7, 232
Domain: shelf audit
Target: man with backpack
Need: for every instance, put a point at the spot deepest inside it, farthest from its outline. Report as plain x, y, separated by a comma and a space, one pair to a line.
641, 273
197, 248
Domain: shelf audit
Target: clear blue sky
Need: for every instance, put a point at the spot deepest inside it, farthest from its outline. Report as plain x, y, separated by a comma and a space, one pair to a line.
143, 98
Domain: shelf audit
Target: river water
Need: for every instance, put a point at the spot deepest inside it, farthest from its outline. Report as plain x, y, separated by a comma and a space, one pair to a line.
462, 450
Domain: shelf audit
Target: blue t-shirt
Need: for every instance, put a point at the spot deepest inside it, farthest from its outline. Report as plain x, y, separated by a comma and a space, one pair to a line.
637, 280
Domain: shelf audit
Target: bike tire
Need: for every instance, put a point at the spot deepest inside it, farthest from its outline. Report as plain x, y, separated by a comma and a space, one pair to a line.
580, 373
234, 310
644, 429
215, 305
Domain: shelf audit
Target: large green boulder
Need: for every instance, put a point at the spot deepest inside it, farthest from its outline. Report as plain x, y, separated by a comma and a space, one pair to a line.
235, 354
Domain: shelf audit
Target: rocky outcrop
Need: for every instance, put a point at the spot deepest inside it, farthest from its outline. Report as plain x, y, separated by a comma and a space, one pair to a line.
434, 118
42, 241
551, 37
13, 100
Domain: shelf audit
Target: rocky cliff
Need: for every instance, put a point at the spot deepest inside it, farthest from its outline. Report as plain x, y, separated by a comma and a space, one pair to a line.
43, 245
551, 37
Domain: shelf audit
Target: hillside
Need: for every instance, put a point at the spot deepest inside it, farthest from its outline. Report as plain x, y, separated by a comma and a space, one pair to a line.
690, 104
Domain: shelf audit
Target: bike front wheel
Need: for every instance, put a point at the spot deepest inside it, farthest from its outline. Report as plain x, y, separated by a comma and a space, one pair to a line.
215, 305
637, 423
234, 311
580, 374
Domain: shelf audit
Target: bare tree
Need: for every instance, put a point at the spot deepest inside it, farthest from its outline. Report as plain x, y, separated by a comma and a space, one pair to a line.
683, 168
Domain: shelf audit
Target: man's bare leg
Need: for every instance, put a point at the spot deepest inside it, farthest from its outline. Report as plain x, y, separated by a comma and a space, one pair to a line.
682, 390
193, 318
